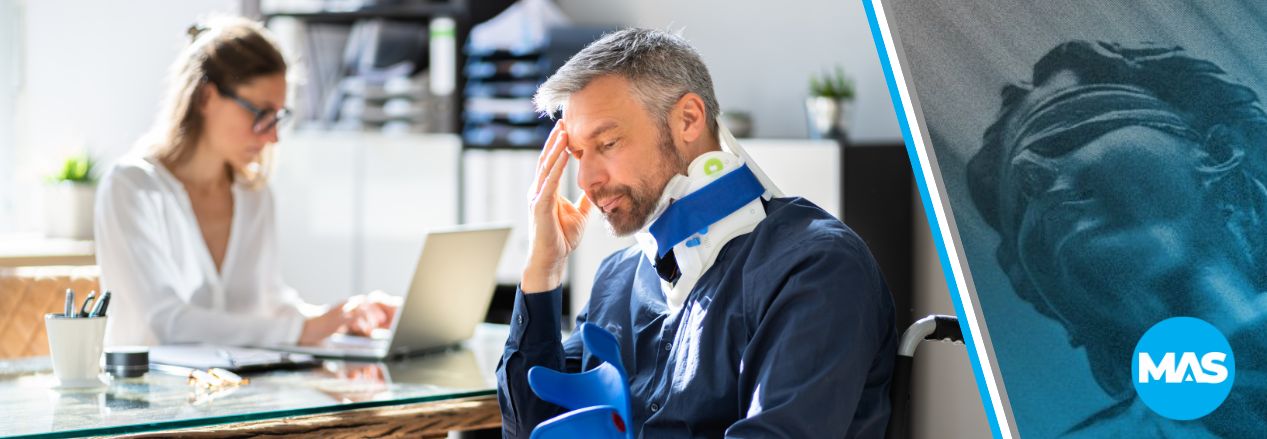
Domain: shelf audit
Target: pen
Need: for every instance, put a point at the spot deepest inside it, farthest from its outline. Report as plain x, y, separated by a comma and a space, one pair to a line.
70, 303
102, 304
83, 309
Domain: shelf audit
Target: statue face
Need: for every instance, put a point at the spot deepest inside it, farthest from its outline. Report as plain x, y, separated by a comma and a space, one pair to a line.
1102, 223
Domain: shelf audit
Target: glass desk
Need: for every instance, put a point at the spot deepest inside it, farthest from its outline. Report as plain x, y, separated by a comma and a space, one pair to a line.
32, 407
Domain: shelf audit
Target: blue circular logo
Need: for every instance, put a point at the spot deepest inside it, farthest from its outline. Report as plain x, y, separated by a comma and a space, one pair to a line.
1183, 368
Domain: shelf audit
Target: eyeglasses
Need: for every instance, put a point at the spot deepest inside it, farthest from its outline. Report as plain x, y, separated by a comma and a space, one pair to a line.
264, 119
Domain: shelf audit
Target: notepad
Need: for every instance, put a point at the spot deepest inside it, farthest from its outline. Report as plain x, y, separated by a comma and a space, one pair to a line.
236, 359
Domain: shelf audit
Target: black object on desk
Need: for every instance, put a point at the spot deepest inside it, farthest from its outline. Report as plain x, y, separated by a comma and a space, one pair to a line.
127, 361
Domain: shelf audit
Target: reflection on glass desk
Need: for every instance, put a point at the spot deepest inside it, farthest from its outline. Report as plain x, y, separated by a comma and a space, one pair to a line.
32, 406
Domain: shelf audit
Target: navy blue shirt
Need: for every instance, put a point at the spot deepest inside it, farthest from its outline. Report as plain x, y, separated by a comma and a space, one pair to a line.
789, 334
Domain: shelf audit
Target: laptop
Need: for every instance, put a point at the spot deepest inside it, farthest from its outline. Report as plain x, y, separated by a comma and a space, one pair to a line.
448, 297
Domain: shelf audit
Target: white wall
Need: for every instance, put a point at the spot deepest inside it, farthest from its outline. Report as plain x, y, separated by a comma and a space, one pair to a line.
9, 43
761, 54
93, 75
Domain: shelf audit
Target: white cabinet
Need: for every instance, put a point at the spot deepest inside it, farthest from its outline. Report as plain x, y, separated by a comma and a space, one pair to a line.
496, 184
353, 208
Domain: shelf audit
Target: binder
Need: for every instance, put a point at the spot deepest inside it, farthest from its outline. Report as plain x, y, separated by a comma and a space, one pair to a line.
181, 358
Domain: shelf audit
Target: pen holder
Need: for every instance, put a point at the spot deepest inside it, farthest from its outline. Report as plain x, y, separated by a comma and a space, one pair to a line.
76, 346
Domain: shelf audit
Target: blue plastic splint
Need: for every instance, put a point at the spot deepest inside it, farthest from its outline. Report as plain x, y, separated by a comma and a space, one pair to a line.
598, 398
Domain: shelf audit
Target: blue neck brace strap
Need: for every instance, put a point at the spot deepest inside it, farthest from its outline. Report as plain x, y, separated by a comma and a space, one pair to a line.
696, 211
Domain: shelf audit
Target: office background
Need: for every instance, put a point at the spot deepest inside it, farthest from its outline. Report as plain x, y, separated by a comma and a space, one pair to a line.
82, 75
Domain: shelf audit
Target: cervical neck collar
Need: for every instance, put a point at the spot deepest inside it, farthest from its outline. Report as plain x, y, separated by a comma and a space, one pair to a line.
707, 205
698, 213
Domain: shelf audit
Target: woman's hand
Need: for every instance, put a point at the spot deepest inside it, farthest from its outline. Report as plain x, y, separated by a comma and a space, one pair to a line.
359, 315
556, 222
318, 328
368, 312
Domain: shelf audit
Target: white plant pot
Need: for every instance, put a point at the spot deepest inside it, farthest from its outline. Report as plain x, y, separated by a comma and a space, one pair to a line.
827, 117
68, 210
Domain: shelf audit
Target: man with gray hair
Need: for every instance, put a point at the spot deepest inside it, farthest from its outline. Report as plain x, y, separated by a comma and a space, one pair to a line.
770, 320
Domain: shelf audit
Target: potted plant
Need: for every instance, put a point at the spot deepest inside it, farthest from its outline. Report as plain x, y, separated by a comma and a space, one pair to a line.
69, 199
828, 104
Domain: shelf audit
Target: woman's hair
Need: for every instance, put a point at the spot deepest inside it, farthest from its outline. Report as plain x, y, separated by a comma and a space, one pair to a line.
225, 52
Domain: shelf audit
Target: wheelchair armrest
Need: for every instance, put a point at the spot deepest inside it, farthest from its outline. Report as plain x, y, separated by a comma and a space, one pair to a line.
933, 327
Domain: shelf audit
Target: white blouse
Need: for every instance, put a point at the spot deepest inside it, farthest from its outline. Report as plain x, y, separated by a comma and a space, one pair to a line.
164, 285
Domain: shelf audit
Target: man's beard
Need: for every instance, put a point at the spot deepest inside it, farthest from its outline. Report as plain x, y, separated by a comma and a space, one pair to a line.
642, 198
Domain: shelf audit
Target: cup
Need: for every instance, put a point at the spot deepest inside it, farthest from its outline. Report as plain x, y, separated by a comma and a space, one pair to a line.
76, 345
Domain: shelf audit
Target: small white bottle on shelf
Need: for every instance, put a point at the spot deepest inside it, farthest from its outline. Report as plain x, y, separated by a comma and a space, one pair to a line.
443, 31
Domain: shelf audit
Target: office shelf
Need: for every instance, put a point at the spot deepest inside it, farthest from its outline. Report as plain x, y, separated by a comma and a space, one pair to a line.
409, 13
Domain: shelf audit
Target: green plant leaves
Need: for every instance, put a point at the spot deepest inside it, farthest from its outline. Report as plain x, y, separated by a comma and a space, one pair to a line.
832, 84
76, 169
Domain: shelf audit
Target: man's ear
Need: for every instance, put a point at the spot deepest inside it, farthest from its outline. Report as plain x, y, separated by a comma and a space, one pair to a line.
689, 118
1221, 153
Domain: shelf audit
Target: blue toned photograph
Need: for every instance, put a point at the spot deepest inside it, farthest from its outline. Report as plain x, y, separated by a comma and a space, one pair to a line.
1105, 166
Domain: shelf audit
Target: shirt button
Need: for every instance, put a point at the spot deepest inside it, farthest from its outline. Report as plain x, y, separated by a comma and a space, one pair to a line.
668, 346
655, 407
521, 320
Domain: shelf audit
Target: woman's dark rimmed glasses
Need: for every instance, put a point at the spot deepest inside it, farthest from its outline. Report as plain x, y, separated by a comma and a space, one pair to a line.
264, 119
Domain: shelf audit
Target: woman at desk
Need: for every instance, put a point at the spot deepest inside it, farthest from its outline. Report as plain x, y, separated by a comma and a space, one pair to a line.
185, 231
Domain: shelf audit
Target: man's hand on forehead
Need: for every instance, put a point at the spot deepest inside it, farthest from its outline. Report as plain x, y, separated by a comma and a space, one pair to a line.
556, 222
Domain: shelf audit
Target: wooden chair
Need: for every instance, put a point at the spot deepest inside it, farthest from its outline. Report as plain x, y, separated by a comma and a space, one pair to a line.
27, 293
